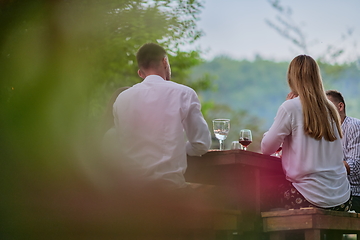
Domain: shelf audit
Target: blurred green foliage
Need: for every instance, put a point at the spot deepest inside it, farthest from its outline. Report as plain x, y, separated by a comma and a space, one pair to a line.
60, 61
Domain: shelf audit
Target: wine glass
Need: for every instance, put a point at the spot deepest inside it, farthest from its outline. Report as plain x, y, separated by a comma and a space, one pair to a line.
236, 145
277, 153
245, 138
221, 129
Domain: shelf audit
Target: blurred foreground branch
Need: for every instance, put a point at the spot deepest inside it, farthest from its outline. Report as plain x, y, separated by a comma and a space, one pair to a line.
56, 59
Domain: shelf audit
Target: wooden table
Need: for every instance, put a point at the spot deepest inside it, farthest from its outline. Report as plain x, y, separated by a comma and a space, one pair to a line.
251, 176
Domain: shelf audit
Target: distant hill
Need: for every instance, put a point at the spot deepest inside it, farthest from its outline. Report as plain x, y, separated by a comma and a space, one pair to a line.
260, 86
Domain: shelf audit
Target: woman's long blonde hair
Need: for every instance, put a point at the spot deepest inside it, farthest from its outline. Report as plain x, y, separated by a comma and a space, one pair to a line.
305, 80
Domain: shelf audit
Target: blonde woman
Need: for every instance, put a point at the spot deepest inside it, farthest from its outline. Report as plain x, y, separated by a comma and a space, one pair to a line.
308, 127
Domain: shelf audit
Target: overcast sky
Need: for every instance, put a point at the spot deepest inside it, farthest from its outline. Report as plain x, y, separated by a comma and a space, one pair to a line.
238, 28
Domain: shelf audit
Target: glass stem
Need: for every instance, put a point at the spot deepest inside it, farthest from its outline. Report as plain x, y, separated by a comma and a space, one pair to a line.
221, 145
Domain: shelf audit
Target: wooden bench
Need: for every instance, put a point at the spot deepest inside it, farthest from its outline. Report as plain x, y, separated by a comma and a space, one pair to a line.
314, 223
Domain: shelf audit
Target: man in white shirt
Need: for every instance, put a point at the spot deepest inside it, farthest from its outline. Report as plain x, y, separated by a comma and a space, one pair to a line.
351, 145
159, 122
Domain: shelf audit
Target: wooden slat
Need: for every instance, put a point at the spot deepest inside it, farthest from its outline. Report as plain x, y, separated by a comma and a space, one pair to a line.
287, 223
336, 222
307, 211
311, 218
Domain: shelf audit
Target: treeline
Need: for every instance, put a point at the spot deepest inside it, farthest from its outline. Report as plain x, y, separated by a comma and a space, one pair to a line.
250, 92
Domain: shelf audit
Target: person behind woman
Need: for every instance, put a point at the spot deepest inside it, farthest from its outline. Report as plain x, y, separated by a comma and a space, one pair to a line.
308, 127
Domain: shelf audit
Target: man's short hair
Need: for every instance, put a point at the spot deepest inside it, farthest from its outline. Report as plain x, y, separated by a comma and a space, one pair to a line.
336, 96
150, 55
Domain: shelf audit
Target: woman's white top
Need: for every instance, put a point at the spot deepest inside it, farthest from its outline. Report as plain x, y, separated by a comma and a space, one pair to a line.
315, 167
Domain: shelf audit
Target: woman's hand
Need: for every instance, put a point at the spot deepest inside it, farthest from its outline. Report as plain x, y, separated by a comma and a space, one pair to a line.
291, 95
347, 167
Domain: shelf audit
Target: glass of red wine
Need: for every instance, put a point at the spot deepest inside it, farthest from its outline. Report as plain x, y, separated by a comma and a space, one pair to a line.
245, 138
277, 153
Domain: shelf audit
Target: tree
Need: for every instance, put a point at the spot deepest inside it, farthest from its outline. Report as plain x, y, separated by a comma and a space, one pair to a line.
285, 25
107, 34
129, 24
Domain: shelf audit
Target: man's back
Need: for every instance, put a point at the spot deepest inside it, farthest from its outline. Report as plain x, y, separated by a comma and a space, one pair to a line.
150, 119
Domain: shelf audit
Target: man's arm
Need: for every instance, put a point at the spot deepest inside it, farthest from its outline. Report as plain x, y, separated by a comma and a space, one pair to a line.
196, 128
352, 150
